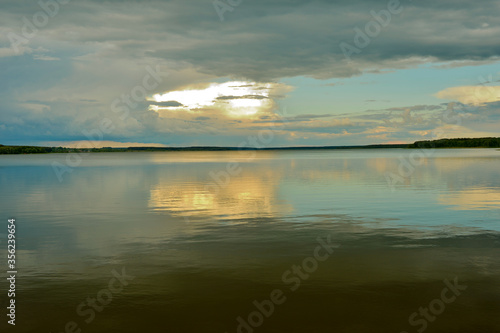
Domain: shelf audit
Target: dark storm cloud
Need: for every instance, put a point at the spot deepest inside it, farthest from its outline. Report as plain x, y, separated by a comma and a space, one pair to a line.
264, 40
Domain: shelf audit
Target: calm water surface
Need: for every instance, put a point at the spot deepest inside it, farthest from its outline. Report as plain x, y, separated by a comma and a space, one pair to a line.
205, 234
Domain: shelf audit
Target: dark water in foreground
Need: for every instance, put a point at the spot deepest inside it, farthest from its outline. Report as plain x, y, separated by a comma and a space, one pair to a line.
201, 252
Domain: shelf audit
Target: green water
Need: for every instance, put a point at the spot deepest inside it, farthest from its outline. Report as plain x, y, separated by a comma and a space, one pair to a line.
203, 236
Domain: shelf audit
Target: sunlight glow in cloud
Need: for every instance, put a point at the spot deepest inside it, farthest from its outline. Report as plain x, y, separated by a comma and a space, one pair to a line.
236, 98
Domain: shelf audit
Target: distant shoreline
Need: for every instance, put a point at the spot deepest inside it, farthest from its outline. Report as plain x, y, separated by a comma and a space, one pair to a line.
442, 143
60, 150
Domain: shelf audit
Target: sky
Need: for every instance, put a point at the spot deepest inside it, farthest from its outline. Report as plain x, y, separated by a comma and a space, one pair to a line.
257, 73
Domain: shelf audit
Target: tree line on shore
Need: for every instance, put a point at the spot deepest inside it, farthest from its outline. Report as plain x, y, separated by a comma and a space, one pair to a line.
441, 143
31, 150
458, 143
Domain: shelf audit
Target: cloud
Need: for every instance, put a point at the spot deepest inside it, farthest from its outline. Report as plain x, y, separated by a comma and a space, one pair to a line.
228, 99
167, 104
224, 77
44, 57
101, 144
262, 41
304, 117
242, 97
472, 95
416, 108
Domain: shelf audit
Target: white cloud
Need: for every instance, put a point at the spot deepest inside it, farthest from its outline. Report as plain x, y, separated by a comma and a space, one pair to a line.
44, 57
472, 95
233, 98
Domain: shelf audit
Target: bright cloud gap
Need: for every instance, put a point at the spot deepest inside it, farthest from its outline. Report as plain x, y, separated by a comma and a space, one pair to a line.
232, 98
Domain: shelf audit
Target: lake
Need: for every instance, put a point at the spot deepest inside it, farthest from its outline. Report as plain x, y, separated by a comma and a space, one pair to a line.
362, 240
